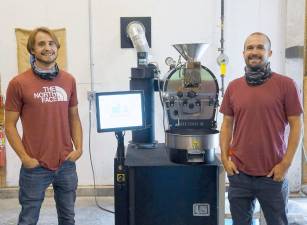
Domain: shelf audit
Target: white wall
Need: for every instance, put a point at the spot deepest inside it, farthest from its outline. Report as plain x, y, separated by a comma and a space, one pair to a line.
295, 66
172, 22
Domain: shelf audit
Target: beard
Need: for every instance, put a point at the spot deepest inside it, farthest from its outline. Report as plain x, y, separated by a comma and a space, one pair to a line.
46, 60
255, 67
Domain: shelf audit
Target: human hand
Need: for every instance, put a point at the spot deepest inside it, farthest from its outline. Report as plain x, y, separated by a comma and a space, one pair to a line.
230, 167
74, 155
278, 172
30, 162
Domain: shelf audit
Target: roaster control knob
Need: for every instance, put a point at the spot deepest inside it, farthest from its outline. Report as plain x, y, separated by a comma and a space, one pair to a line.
191, 94
180, 94
191, 105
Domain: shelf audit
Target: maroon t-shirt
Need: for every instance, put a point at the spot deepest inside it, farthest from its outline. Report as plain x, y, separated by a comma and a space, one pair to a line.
43, 106
260, 119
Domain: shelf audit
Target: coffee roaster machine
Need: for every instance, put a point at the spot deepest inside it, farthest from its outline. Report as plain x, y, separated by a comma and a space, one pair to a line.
181, 181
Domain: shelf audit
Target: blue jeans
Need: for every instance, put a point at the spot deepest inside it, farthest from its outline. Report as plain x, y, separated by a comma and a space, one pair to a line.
272, 197
33, 184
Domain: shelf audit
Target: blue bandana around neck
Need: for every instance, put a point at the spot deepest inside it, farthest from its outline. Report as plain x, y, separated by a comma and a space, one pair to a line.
44, 74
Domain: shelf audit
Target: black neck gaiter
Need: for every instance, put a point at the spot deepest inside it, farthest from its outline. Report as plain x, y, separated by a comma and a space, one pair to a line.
258, 76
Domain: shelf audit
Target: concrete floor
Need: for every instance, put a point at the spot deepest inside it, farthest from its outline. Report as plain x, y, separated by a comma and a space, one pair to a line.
88, 213
297, 208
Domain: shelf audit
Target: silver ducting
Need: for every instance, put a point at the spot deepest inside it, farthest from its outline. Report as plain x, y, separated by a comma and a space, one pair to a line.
136, 32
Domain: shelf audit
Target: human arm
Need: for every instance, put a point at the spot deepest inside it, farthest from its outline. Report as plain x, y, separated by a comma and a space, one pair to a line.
14, 139
76, 133
279, 170
225, 139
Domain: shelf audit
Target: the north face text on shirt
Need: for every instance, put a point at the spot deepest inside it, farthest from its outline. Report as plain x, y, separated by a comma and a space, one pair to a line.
51, 94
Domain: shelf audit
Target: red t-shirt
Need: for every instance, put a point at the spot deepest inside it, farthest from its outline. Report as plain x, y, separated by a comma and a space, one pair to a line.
43, 106
260, 119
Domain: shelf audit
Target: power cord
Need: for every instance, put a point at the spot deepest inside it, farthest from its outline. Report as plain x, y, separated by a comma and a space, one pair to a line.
91, 97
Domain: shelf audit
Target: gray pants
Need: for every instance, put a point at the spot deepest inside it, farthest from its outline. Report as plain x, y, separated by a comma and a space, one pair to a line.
272, 196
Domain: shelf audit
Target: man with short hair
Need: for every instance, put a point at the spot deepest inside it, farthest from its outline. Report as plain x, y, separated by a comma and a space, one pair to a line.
45, 99
257, 108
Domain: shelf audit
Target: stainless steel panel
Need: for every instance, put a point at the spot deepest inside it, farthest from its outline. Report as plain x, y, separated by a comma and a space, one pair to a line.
191, 52
192, 141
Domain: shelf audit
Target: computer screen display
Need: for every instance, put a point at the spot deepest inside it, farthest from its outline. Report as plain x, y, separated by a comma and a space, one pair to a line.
116, 111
